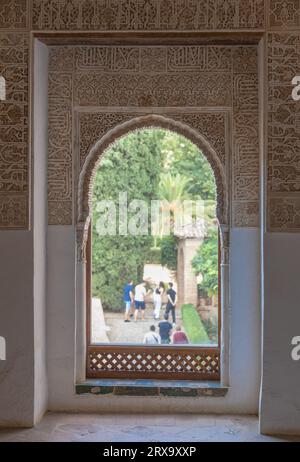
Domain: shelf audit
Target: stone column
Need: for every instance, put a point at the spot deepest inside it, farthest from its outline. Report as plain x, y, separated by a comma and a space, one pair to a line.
81, 238
225, 305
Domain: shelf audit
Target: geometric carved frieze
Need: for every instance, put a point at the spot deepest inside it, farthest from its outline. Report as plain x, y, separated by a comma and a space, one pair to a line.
284, 213
244, 59
60, 179
60, 85
16, 77
151, 60
245, 161
14, 14
13, 211
197, 78
14, 127
210, 124
126, 122
149, 15
60, 212
246, 214
13, 168
60, 155
245, 92
205, 89
101, 123
245, 158
283, 131
159, 76
61, 59
152, 70
13, 123
284, 14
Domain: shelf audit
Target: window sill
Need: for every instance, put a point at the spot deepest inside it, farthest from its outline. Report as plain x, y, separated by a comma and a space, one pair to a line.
179, 388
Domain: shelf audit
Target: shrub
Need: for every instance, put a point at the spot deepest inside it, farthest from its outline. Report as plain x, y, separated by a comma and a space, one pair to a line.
169, 246
211, 327
193, 325
154, 255
206, 263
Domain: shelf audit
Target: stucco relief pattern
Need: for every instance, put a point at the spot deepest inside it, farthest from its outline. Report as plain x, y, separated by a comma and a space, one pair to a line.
198, 122
245, 168
14, 131
60, 156
14, 14
283, 132
149, 77
210, 125
284, 14
147, 14
139, 15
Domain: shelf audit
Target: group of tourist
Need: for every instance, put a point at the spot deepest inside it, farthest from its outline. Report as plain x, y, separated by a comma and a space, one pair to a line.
165, 335
135, 305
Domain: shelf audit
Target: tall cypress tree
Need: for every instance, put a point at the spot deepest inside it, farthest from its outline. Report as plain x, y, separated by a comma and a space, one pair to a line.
132, 165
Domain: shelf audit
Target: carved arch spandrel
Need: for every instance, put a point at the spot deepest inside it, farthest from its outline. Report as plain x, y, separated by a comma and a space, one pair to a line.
93, 159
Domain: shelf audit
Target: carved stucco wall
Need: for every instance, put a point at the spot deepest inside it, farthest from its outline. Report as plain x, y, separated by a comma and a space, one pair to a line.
211, 89
283, 132
114, 125
14, 160
147, 14
278, 19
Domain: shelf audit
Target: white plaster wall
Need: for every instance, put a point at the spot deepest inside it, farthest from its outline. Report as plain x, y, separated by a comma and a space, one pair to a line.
23, 378
61, 314
280, 395
16, 325
245, 335
40, 145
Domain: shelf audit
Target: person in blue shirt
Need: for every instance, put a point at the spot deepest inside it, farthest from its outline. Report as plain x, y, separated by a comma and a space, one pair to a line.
128, 298
165, 329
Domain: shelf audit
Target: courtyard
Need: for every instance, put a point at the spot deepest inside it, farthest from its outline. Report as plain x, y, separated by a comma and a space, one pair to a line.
179, 245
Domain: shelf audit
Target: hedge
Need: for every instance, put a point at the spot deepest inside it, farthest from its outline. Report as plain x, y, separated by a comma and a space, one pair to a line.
193, 325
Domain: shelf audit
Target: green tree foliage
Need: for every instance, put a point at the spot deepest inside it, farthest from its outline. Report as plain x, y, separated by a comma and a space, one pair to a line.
184, 158
169, 246
132, 165
187, 176
205, 263
174, 188
147, 164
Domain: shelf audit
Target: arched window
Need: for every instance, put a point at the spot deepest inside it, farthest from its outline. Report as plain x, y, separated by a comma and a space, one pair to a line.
118, 344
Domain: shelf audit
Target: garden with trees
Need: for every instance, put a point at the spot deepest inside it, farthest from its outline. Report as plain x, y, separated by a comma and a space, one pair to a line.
151, 164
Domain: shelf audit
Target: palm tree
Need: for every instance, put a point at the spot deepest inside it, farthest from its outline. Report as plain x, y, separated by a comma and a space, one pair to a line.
173, 191
174, 188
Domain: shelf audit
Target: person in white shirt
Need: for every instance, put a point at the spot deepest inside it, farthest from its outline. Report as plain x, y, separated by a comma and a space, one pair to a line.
157, 300
152, 338
139, 300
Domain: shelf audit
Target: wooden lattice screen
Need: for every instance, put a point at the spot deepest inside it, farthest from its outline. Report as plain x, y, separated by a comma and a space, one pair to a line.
163, 362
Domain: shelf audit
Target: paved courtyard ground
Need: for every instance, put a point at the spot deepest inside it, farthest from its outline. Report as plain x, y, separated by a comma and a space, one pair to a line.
141, 428
110, 327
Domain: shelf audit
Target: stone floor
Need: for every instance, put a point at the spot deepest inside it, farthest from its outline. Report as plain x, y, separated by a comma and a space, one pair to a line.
110, 327
132, 332
137, 428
